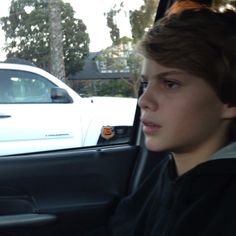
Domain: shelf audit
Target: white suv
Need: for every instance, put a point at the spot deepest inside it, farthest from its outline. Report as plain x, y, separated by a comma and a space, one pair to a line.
39, 112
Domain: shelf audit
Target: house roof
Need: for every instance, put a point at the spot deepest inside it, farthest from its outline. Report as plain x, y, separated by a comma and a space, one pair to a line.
91, 72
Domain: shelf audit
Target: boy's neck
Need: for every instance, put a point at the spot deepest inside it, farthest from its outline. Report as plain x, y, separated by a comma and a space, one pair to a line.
187, 160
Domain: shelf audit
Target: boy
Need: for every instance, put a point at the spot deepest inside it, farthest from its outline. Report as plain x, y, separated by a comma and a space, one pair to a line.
188, 108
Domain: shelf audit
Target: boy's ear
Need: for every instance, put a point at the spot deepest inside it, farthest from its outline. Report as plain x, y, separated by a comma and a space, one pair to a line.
229, 111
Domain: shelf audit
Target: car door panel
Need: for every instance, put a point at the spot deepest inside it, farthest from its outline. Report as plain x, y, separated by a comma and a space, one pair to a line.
40, 127
68, 190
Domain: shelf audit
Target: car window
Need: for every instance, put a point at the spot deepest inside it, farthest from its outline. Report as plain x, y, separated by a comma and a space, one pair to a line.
94, 63
24, 87
86, 84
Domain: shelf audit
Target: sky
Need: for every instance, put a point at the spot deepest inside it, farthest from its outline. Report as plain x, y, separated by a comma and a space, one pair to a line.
92, 14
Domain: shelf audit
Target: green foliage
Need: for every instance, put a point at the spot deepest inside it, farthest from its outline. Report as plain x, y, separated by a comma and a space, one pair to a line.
115, 57
143, 18
122, 58
114, 88
111, 88
27, 34
114, 32
140, 20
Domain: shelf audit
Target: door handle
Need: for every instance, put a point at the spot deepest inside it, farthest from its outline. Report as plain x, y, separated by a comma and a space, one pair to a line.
23, 220
2, 115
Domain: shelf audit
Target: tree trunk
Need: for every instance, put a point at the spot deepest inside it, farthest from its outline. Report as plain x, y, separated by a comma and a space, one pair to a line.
57, 66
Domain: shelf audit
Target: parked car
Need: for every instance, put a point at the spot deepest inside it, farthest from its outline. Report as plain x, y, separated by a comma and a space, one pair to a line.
39, 112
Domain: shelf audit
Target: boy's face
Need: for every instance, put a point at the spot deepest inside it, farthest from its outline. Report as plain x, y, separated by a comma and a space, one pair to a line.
180, 112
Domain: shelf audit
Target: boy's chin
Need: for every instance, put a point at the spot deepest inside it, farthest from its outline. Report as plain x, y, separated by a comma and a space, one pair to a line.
154, 146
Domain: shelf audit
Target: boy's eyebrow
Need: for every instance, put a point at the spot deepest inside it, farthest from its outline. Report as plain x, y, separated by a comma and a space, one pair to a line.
163, 74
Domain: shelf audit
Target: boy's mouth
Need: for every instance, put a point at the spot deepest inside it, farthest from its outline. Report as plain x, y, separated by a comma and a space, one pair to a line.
150, 127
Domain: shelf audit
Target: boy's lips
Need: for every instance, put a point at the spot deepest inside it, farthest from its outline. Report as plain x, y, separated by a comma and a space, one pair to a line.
150, 127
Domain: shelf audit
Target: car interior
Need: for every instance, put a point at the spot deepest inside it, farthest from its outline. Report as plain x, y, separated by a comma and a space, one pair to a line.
72, 191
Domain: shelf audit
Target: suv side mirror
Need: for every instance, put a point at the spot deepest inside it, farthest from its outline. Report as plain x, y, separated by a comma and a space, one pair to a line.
60, 95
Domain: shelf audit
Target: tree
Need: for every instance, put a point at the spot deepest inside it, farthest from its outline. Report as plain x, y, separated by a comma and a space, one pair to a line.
27, 34
56, 41
121, 57
122, 53
115, 31
142, 19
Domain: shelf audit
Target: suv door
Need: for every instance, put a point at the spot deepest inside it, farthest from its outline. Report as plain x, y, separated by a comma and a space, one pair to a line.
67, 192
44, 123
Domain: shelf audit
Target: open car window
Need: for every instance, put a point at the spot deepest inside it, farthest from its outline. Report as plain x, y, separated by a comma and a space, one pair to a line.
76, 74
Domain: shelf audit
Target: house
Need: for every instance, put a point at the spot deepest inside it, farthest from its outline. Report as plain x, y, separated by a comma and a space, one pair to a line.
95, 70
97, 74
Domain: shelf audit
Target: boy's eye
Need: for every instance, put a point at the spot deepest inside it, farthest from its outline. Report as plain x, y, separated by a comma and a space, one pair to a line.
170, 84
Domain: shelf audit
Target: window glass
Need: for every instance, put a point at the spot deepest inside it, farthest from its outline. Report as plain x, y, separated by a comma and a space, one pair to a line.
24, 87
89, 46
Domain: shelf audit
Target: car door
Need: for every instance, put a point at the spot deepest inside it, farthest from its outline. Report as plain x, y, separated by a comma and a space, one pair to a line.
30, 120
65, 192
70, 191
60, 192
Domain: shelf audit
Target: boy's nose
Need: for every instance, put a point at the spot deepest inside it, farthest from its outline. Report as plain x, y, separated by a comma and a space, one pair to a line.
147, 101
